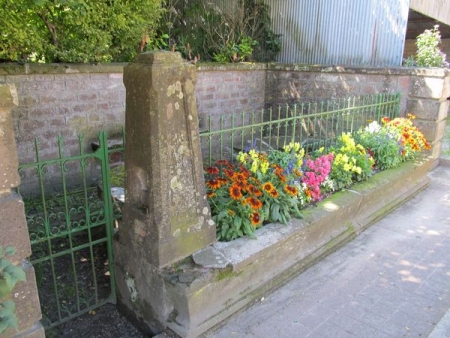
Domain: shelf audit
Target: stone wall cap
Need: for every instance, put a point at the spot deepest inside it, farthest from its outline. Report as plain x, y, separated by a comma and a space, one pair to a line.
161, 56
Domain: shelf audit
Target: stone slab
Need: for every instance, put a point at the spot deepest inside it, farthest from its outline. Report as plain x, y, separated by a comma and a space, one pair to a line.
13, 225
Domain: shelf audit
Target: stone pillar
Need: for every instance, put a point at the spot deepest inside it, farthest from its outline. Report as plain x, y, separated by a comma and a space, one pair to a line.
166, 216
428, 101
13, 226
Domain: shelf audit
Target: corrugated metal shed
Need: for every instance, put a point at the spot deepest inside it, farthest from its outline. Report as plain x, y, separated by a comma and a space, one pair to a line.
344, 32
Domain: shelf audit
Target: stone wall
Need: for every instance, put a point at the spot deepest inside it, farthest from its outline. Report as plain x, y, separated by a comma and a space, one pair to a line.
72, 99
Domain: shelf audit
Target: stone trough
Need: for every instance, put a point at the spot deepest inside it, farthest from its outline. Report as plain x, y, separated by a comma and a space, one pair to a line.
203, 291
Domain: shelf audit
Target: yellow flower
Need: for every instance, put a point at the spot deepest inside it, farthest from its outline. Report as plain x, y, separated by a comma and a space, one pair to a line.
347, 167
242, 157
295, 146
255, 165
264, 167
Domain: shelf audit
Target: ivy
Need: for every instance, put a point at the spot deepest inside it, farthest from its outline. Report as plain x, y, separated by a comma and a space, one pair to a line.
10, 275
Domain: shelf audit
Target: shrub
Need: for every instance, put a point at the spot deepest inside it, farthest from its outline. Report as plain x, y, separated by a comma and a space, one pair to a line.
428, 52
240, 31
76, 30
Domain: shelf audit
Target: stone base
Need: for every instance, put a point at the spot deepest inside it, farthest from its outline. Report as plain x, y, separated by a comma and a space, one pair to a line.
196, 295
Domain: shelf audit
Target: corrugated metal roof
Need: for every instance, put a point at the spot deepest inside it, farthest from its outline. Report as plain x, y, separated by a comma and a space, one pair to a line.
345, 32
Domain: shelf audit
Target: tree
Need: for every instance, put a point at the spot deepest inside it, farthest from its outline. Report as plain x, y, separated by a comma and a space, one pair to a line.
76, 30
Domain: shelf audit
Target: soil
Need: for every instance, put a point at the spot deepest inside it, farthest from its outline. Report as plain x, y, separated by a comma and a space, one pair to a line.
105, 322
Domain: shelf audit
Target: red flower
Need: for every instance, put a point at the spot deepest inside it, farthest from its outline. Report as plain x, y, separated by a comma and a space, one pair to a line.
255, 218
212, 170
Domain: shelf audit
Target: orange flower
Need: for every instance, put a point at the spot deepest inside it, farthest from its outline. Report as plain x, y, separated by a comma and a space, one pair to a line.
235, 192
293, 191
254, 191
255, 218
281, 177
254, 203
385, 119
222, 180
274, 193
298, 173
231, 212
307, 192
210, 194
213, 184
239, 177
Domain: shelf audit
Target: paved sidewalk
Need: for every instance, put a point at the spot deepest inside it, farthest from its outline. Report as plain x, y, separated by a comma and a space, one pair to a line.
393, 280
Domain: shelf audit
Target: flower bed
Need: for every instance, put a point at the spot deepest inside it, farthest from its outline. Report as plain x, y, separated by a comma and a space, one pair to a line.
227, 276
266, 187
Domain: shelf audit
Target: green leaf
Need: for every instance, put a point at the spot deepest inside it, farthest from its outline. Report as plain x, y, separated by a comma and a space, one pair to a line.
275, 212
4, 263
10, 251
237, 222
3, 325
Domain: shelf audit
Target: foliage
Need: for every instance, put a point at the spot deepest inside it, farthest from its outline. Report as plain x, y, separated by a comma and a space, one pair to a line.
382, 144
351, 162
9, 276
238, 32
428, 52
76, 30
233, 52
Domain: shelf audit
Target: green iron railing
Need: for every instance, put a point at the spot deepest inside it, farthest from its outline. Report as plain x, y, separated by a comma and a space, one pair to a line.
71, 226
313, 124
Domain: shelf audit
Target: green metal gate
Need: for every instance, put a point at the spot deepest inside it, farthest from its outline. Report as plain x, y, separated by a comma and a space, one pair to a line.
71, 215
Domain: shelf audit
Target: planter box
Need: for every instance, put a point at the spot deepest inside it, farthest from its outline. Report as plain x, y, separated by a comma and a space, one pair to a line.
224, 278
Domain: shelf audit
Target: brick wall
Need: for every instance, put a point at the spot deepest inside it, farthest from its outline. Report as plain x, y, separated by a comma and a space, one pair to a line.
64, 100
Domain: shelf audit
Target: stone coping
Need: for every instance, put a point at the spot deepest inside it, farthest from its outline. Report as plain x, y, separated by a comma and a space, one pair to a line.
228, 276
86, 68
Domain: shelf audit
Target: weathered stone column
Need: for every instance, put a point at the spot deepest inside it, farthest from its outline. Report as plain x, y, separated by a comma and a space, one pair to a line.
166, 217
428, 101
13, 226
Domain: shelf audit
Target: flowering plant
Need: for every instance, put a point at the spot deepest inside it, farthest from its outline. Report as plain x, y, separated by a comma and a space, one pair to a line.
273, 186
382, 144
351, 162
410, 137
395, 141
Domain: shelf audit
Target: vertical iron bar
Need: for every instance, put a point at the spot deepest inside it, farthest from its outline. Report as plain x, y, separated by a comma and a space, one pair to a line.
107, 201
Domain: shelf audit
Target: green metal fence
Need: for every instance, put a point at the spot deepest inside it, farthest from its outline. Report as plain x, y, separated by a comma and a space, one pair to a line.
314, 124
71, 219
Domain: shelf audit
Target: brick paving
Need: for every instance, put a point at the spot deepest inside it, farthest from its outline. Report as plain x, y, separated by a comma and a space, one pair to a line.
393, 280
